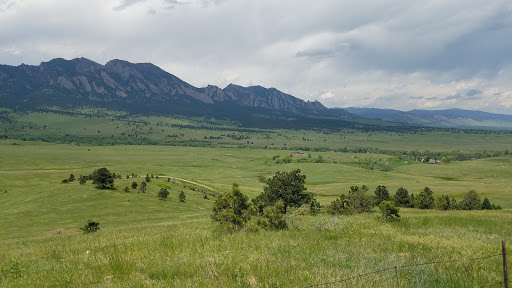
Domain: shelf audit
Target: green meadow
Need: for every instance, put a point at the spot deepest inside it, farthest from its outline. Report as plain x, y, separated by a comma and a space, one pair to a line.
147, 242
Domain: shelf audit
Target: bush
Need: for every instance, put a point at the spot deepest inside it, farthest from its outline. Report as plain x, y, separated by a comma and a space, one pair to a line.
163, 193
359, 200
273, 217
91, 227
444, 203
142, 187
340, 206
314, 207
389, 211
232, 210
182, 197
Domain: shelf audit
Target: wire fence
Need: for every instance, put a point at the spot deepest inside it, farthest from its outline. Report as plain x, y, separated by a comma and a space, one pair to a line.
398, 267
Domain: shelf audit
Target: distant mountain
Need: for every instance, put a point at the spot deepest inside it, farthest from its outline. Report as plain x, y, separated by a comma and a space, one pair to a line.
136, 87
450, 118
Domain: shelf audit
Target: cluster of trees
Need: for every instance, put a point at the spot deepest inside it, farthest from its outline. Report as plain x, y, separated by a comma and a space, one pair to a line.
284, 190
359, 201
105, 180
289, 159
101, 177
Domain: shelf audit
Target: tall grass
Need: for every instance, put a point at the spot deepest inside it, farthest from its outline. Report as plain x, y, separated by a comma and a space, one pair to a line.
146, 242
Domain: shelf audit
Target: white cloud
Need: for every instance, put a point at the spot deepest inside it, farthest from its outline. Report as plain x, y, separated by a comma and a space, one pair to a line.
392, 54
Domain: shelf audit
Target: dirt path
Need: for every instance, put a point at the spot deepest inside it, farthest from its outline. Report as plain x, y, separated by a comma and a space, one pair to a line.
184, 180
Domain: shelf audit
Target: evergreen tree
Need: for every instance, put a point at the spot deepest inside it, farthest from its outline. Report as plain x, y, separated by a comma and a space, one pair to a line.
102, 178
273, 217
359, 199
233, 209
163, 193
402, 198
142, 187
286, 186
382, 194
389, 211
425, 199
471, 201
486, 204
182, 197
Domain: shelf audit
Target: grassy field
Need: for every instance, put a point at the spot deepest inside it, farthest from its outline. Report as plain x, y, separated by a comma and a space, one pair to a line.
146, 242
103, 127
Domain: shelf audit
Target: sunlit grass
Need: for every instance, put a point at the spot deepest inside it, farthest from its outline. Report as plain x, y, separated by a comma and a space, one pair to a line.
146, 242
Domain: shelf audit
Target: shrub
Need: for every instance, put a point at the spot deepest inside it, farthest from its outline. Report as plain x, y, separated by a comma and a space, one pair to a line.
273, 217
126, 189
444, 203
340, 206
134, 185
142, 187
163, 193
182, 197
232, 210
314, 207
389, 211
91, 227
359, 200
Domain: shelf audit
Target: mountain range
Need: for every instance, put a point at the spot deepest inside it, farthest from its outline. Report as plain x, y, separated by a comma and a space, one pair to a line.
449, 118
123, 84
146, 88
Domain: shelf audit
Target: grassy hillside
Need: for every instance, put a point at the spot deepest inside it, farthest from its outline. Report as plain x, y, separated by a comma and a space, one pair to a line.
146, 242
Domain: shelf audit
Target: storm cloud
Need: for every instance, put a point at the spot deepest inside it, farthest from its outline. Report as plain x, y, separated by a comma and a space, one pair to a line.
387, 54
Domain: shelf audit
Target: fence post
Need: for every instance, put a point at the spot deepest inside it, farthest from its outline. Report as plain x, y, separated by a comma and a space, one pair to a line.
397, 277
504, 253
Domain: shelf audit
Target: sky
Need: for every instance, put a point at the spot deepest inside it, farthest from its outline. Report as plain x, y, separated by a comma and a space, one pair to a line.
395, 54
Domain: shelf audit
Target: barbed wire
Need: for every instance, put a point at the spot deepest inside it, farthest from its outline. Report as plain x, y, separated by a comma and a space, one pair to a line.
404, 266
492, 285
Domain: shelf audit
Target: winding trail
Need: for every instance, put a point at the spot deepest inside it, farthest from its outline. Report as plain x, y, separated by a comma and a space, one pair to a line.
184, 180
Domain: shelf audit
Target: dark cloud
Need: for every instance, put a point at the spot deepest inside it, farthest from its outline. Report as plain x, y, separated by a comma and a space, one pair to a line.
473, 92
126, 3
453, 97
359, 52
315, 53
